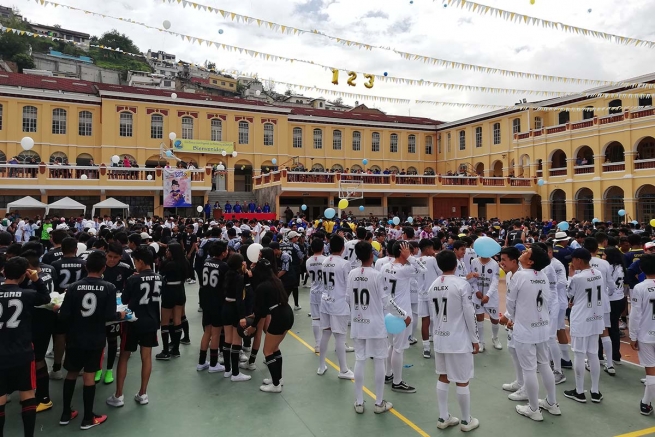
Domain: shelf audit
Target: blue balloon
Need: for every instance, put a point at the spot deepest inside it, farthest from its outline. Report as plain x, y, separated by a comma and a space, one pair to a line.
220, 31
541, 182
364, 161
396, 220
304, 207
274, 161
595, 220
486, 247
621, 212
410, 219
390, 222
394, 325
361, 207
386, 74
169, 153
563, 226
329, 213
635, 222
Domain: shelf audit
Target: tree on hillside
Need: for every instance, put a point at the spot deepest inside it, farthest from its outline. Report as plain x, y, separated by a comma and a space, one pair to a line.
117, 40
15, 47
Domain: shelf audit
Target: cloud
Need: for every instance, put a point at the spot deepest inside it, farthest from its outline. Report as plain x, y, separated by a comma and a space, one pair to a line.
312, 9
375, 14
522, 49
467, 20
400, 26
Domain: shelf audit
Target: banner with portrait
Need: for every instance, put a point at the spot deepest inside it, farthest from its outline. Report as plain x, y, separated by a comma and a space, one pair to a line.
177, 188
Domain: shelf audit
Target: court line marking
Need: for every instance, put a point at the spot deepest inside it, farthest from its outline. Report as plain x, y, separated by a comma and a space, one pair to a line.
638, 433
367, 391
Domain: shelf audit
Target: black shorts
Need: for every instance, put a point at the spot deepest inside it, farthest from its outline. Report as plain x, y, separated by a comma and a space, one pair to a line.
61, 327
78, 359
113, 330
281, 320
131, 338
230, 314
173, 296
43, 325
21, 378
212, 317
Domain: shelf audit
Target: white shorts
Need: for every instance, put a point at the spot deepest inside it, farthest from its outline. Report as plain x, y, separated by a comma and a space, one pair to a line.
585, 345
554, 324
400, 342
646, 354
561, 319
492, 312
371, 348
424, 308
337, 324
415, 308
458, 367
510, 337
530, 355
315, 310
606, 319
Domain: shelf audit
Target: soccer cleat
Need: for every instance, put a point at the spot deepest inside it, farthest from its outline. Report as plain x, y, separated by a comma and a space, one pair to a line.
347, 375
552, 409
497, 344
573, 394
596, 397
66, 418
216, 369
412, 340
203, 366
114, 401
470, 425
512, 386
185, 341
349, 348
297, 308
141, 398
566, 364
248, 366
43, 406
451, 421
359, 409
525, 410
610, 370
644, 409
384, 406
97, 420
559, 377
427, 354
270, 388
98, 376
240, 377
321, 370
58, 375
175, 353
402, 387
163, 356
268, 381
388, 379
519, 395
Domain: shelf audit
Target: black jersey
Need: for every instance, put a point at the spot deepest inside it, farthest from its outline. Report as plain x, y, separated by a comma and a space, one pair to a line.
89, 304
84, 255
142, 295
126, 257
52, 255
514, 234
48, 275
118, 275
189, 241
211, 283
16, 322
69, 270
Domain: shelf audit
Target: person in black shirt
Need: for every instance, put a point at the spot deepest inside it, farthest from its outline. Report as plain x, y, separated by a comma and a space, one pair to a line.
56, 237
232, 312
142, 295
173, 297
88, 305
190, 240
16, 352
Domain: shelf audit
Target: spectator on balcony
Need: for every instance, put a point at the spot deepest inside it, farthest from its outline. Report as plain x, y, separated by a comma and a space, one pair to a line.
386, 171
252, 206
402, 172
584, 161
266, 208
578, 161
237, 208
228, 207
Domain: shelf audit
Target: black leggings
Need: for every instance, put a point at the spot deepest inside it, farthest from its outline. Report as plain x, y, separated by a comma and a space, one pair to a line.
617, 307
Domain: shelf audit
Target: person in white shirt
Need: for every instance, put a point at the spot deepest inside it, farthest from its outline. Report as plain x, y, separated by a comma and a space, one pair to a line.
485, 298
587, 323
387, 259
369, 296
314, 265
463, 270
562, 285
432, 272
335, 313
527, 309
413, 292
456, 340
349, 249
642, 328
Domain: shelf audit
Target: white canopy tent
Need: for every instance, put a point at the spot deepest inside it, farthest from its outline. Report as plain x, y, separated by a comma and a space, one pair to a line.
111, 203
67, 203
27, 202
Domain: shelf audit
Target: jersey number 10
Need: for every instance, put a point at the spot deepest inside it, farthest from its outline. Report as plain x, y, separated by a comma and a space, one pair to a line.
362, 297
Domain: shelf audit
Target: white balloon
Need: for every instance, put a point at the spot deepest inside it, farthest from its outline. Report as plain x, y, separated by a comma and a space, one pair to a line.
149, 177
253, 252
155, 246
224, 153
257, 92
299, 221
81, 247
27, 143
172, 136
173, 96
115, 159
83, 177
167, 24
234, 154
199, 208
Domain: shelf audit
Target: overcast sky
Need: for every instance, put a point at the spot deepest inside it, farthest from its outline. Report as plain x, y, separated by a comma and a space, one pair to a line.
424, 27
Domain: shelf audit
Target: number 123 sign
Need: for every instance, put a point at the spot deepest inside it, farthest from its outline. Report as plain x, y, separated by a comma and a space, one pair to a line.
352, 76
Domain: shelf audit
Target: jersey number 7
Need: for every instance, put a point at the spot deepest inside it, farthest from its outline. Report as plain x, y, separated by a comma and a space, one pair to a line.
444, 301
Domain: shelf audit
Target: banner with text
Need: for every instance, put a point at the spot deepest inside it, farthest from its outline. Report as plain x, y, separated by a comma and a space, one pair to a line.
203, 146
177, 188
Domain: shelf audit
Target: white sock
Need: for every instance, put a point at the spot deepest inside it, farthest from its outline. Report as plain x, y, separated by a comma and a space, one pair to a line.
464, 399
340, 340
555, 354
415, 320
607, 348
649, 391
389, 368
360, 365
579, 370
325, 339
426, 345
494, 330
548, 380
594, 368
532, 388
517, 366
564, 348
318, 333
442, 398
379, 380
480, 332
397, 366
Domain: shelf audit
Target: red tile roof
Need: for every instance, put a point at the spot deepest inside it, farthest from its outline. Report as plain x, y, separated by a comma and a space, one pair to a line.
364, 116
47, 83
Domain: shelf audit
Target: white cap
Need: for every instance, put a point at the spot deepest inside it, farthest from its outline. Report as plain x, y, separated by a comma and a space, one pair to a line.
92, 231
145, 236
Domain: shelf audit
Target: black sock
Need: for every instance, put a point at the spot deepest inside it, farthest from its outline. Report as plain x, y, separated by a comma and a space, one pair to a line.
221, 341
213, 357
247, 342
2, 420
176, 336
202, 358
271, 361
112, 346
236, 351
278, 367
227, 358
253, 355
56, 367
29, 415
42, 385
88, 395
165, 338
295, 295
69, 389
185, 328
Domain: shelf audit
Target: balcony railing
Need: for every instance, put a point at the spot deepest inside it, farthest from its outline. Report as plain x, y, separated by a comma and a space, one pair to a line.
582, 124
643, 164
517, 182
311, 177
558, 171
365, 178
415, 180
611, 118
555, 129
583, 169
493, 182
614, 166
643, 113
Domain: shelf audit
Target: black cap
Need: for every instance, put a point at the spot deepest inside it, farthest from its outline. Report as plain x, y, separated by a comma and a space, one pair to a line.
245, 233
582, 254
274, 245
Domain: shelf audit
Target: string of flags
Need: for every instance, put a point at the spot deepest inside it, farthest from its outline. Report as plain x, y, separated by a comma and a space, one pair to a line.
534, 107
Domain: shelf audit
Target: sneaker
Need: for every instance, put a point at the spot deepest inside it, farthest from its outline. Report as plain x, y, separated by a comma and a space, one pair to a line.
109, 376
191, 281
349, 348
246, 350
227, 374
497, 344
185, 341
586, 365
43, 406
66, 418
243, 357
519, 395
384, 406
163, 356
270, 388
347, 375
98, 376
97, 420
643, 380
297, 308
114, 401
559, 377
481, 348
317, 350
321, 371
240, 377
50, 354
141, 399
566, 364
268, 381
525, 410
402, 387
427, 354
248, 366
469, 425
216, 369
622, 325
512, 386
644, 409
596, 397
203, 366
359, 409
573, 394
389, 379
451, 421
220, 358
199, 309
610, 370
552, 409
175, 353
58, 375
412, 340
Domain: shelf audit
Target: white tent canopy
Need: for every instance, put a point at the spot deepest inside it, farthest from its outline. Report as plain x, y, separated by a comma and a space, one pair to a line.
111, 203
27, 202
67, 203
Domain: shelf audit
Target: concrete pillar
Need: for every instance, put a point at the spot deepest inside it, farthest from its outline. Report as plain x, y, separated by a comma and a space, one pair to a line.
546, 209
598, 209
571, 209
630, 157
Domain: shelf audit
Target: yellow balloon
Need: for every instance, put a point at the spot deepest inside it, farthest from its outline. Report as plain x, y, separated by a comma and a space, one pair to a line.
532, 2
343, 204
502, 273
652, 223
376, 246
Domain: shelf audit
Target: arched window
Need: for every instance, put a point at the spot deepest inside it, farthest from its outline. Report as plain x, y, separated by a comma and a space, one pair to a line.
393, 144
28, 157
375, 142
29, 118
85, 128
217, 129
336, 139
394, 169
125, 126
411, 144
59, 121
318, 167
357, 141
588, 113
337, 168
412, 170
616, 106
538, 123
564, 117
3, 157
187, 128
318, 139
429, 171
462, 140
268, 134
297, 138
84, 159
156, 126
478, 137
644, 100
516, 126
59, 157
244, 132
496, 133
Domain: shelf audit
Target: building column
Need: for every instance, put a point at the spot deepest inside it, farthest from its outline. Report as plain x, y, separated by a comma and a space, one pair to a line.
156, 206
385, 204
630, 157
598, 209
570, 170
545, 209
571, 209
546, 166
598, 166
630, 206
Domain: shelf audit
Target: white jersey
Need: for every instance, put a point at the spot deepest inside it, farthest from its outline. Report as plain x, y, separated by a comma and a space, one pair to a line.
527, 306
382, 261
335, 280
605, 269
413, 289
398, 276
617, 291
462, 269
642, 312
469, 256
368, 297
314, 267
586, 290
487, 282
349, 254
552, 296
431, 273
452, 315
562, 282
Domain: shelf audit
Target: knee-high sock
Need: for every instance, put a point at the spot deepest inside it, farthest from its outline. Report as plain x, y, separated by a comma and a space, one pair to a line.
397, 365
253, 356
464, 400
29, 416
176, 336
234, 358
165, 338
415, 320
325, 339
112, 346
389, 368
549, 382
185, 327
340, 340
213, 357
555, 354
578, 369
69, 390
531, 388
480, 332
607, 347
227, 358
42, 385
426, 345
379, 380
88, 396
517, 366
564, 348
278, 358
494, 330
318, 333
442, 399
359, 381
594, 368
649, 391
272, 361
